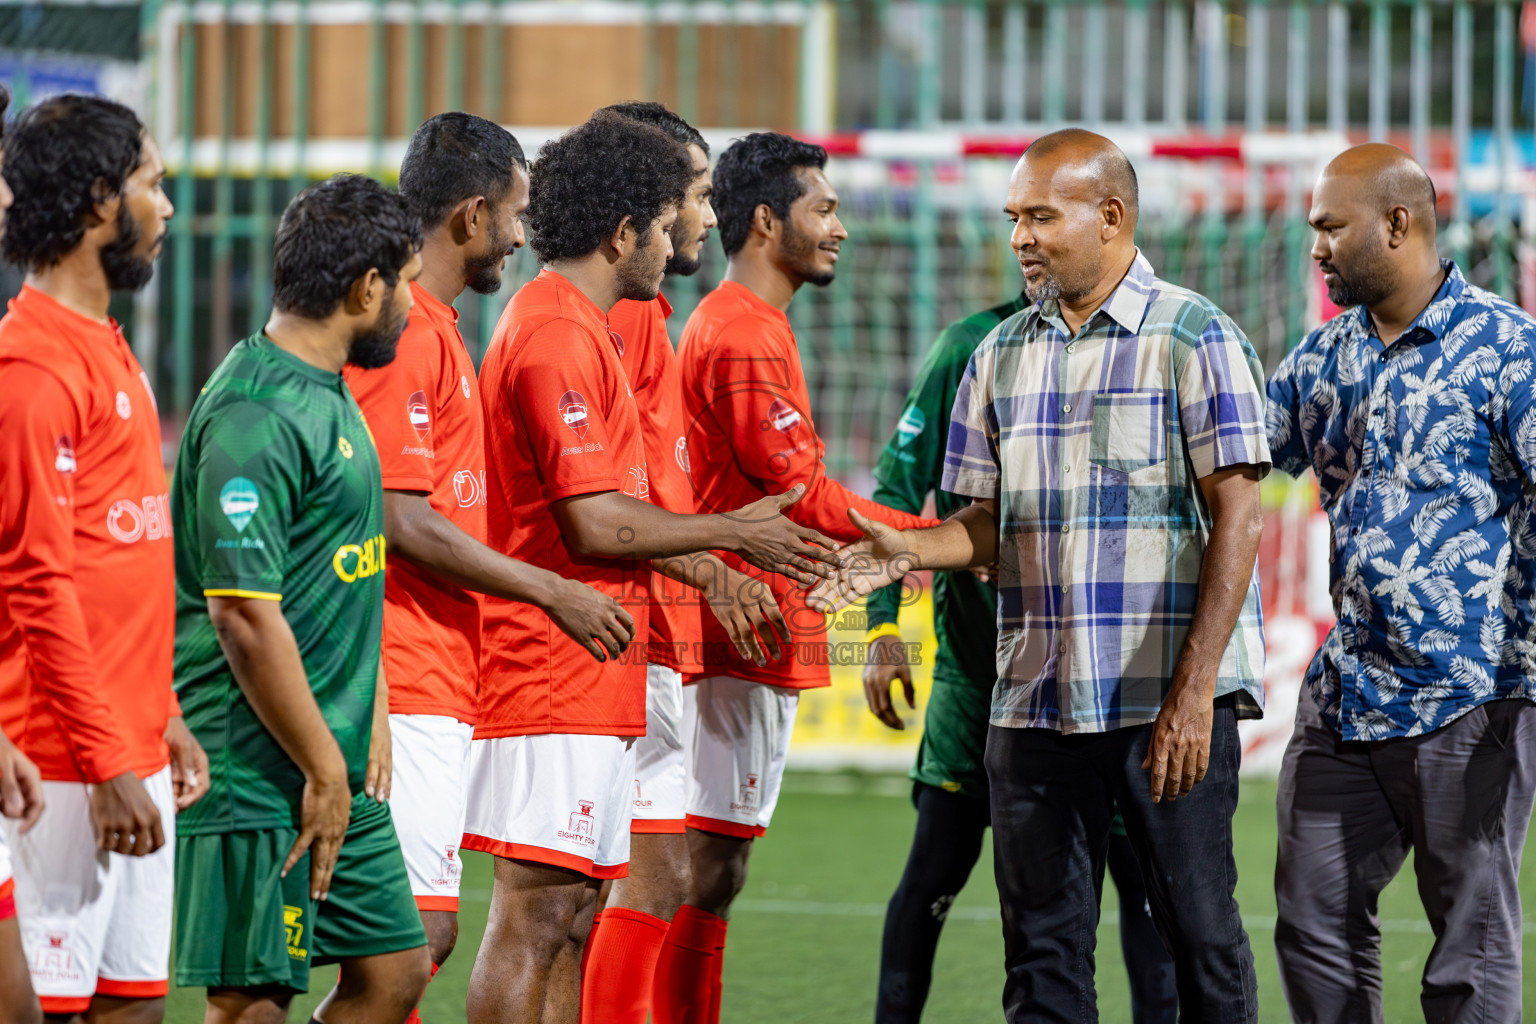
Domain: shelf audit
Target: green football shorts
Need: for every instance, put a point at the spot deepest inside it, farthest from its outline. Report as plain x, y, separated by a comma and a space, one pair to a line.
951, 755
238, 924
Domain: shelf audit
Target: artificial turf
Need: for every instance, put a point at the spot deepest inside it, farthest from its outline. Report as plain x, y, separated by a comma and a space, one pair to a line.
805, 937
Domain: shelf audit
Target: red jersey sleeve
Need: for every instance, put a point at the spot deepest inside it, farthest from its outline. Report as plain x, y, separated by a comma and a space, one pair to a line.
758, 397
562, 396
398, 402
38, 427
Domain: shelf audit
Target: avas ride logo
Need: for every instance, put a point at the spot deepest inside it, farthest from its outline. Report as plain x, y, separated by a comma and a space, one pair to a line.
354, 562
239, 500
421, 419
573, 412
784, 418
64, 454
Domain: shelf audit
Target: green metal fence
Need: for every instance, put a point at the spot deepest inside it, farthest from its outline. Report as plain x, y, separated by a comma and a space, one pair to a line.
251, 99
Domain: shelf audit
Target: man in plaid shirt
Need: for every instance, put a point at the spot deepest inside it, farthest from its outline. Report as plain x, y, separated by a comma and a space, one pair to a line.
1112, 439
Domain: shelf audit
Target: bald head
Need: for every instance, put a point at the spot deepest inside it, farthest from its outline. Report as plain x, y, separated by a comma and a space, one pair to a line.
1097, 164
1072, 200
1381, 177
1374, 213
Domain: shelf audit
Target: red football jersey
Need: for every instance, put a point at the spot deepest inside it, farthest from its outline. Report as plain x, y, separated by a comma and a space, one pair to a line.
646, 351
751, 435
424, 412
87, 598
560, 422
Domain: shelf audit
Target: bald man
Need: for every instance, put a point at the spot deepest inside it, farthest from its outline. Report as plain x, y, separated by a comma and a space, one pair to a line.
1415, 729
1114, 428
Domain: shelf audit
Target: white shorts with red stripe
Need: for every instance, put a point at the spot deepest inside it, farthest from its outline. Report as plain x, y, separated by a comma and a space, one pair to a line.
563, 799
430, 755
92, 924
737, 735
661, 768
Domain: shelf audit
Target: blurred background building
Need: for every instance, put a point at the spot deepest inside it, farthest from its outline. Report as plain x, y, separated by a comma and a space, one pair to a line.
1227, 109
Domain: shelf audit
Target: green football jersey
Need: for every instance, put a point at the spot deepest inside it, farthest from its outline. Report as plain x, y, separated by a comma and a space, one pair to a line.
912, 465
277, 495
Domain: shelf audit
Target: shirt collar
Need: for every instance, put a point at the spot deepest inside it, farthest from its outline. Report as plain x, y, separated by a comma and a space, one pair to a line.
1127, 304
429, 306
1436, 316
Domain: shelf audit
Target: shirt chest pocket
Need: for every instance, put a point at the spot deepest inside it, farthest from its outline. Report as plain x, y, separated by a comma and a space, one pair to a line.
1130, 430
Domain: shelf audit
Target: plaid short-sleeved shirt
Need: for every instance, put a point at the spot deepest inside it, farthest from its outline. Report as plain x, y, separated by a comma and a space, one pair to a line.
1093, 447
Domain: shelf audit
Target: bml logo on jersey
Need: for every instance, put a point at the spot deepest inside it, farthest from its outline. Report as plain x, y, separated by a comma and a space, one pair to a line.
150, 516
581, 825
469, 488
353, 562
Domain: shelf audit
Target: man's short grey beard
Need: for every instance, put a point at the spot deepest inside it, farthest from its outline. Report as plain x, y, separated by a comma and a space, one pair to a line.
1048, 290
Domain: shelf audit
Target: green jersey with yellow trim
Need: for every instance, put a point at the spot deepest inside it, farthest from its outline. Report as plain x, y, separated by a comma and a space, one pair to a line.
277, 496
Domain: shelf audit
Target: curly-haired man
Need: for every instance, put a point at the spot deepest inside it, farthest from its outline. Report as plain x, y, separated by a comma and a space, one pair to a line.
86, 566
751, 434
552, 763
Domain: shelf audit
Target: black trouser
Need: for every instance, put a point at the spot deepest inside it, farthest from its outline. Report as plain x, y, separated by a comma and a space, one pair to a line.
1053, 797
945, 846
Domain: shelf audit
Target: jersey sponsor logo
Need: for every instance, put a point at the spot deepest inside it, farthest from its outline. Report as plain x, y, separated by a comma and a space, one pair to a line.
345, 447
239, 499
641, 803
784, 418
464, 384
749, 794
354, 562
912, 423
124, 406
64, 454
293, 924
618, 341
580, 826
573, 412
130, 520
421, 419
469, 487
636, 483
450, 869
680, 453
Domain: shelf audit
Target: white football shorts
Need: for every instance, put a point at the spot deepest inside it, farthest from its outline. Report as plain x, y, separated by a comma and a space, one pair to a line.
737, 735
661, 768
427, 796
557, 798
91, 922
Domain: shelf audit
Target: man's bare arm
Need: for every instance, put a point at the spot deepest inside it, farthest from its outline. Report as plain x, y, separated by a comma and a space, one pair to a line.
1180, 750
265, 660
418, 533
964, 540
608, 524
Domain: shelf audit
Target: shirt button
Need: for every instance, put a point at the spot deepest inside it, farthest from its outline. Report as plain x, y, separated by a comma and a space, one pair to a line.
1066, 469
1067, 407
1072, 347
1066, 529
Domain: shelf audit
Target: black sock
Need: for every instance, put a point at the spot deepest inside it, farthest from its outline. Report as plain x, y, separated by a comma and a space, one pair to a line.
945, 847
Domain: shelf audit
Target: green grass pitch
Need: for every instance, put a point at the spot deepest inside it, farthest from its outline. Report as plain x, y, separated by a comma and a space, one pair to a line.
805, 939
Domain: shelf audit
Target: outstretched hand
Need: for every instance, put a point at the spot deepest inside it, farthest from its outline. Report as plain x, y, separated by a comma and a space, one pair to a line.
770, 541
865, 566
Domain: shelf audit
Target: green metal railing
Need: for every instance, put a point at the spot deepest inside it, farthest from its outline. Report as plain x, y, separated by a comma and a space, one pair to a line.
928, 241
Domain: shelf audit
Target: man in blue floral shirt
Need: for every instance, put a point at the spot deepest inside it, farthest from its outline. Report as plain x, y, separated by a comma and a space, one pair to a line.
1415, 409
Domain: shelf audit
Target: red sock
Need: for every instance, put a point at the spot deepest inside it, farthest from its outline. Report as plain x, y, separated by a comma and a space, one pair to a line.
586, 948
681, 993
415, 1017
616, 987
717, 976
